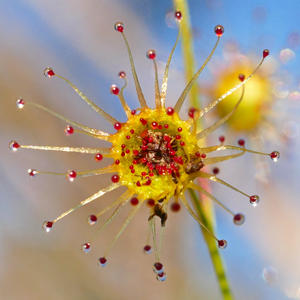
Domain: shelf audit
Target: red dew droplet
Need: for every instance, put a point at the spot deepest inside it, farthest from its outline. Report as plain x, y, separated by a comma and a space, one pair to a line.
192, 112
241, 142
179, 129
144, 147
150, 139
160, 127
219, 30
127, 151
170, 111
119, 26
169, 170
102, 262
143, 173
182, 143
69, 130
166, 126
239, 219
135, 152
143, 121
86, 247
132, 131
20, 103
151, 173
167, 138
118, 126
178, 16
98, 157
48, 72
122, 74
72, 175
275, 155
144, 160
138, 183
133, 112
123, 146
198, 154
92, 219
114, 90
178, 137
148, 182
134, 201
128, 137
147, 249
151, 54
47, 226
134, 161
132, 171
266, 53
154, 125
203, 155
216, 170
32, 172
241, 77
222, 244
13, 145
150, 202
172, 152
115, 178
123, 154
254, 200
161, 277
117, 161
222, 138
158, 268
175, 207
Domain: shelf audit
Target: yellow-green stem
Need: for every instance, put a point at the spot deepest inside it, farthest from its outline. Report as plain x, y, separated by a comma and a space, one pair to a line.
202, 205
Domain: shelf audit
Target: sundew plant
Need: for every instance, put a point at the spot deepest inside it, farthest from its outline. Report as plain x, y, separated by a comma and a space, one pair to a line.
156, 155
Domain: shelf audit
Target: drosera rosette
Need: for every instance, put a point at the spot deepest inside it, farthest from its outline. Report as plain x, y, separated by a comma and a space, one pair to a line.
156, 154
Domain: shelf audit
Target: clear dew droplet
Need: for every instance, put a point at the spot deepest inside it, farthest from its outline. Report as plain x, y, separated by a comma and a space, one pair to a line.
86, 247
47, 226
270, 275
161, 277
239, 219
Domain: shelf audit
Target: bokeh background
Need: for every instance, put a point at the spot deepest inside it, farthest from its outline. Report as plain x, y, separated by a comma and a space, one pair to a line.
77, 39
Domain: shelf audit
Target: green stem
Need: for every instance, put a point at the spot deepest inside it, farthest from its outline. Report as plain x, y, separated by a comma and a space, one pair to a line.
202, 205
212, 247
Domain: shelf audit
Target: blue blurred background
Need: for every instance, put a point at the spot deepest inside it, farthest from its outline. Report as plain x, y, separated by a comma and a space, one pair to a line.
77, 39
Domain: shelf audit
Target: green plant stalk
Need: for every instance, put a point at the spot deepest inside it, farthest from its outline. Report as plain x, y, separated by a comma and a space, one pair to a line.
202, 205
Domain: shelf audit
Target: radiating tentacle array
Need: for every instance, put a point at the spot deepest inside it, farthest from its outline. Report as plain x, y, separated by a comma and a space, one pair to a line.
156, 154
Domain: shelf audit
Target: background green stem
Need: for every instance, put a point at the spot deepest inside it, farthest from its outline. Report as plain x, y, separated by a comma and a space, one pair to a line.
203, 206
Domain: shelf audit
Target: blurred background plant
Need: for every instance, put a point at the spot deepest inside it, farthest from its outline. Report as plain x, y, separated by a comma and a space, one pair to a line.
77, 39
